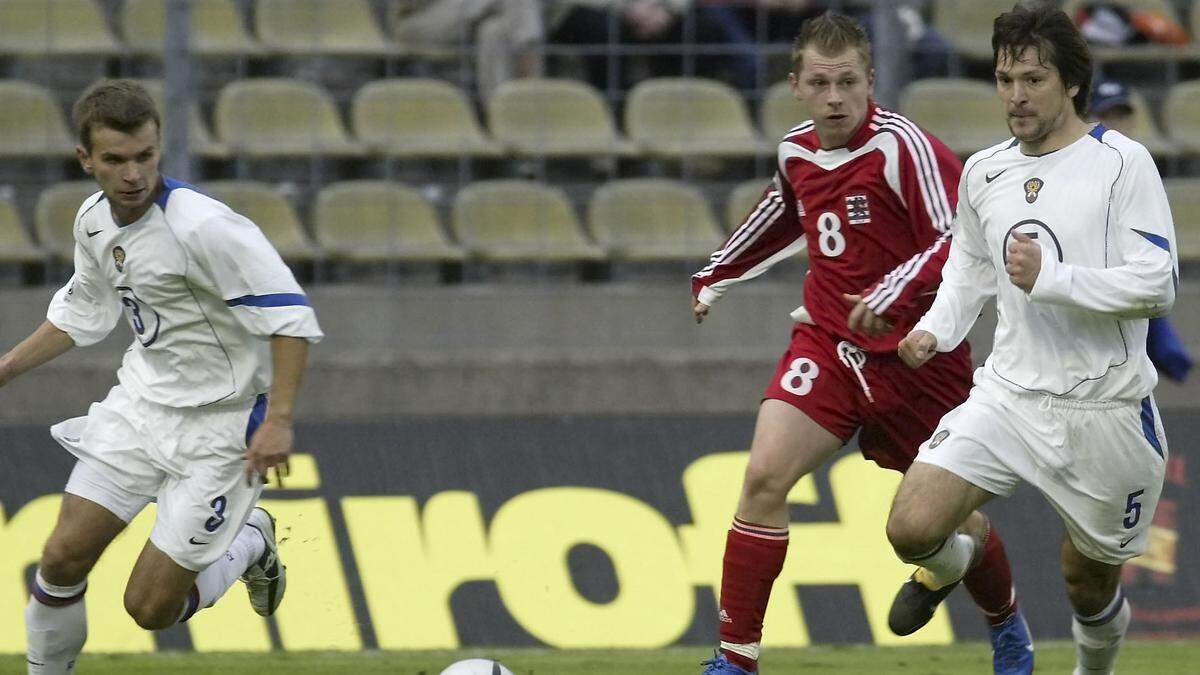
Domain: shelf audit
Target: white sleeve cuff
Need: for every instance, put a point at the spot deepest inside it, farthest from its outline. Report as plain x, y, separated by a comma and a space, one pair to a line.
708, 296
1053, 282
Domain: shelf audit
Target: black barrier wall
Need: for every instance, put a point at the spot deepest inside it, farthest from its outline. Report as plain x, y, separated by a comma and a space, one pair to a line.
569, 532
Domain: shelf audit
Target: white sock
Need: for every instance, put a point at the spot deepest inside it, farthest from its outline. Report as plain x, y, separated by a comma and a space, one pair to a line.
1098, 637
948, 563
54, 632
215, 579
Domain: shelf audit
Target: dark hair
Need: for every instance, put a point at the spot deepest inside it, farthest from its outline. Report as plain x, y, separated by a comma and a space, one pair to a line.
831, 34
121, 105
1057, 41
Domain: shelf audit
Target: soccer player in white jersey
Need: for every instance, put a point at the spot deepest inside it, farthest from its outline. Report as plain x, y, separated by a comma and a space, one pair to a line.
218, 321
1067, 225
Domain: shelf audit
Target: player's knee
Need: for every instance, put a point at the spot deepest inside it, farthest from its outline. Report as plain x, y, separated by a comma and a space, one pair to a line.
148, 612
1087, 589
763, 484
909, 536
63, 564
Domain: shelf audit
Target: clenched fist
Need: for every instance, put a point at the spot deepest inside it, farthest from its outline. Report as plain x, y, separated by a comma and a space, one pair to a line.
917, 347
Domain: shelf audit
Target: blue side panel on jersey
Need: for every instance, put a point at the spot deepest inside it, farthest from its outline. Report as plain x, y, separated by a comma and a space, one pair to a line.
272, 300
1148, 426
256, 417
170, 184
1156, 239
1097, 131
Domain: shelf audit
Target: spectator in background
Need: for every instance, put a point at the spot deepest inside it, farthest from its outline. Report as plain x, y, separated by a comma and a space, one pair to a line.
508, 34
657, 22
1111, 107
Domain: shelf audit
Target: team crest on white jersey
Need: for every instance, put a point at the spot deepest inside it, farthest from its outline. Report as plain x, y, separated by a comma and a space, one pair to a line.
119, 258
858, 211
1031, 189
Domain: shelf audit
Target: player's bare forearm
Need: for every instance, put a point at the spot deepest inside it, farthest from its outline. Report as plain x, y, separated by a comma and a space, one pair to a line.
44, 344
288, 358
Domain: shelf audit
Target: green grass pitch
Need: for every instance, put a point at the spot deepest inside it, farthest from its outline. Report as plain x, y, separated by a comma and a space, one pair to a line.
1137, 658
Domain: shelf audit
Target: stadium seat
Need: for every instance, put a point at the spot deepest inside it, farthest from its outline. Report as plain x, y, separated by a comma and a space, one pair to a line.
271, 117
559, 118
15, 245
1149, 52
414, 117
519, 221
54, 216
31, 123
742, 200
968, 25
269, 210
337, 27
216, 28
1184, 195
966, 115
678, 117
200, 140
781, 112
33, 28
371, 221
651, 219
1182, 116
1145, 131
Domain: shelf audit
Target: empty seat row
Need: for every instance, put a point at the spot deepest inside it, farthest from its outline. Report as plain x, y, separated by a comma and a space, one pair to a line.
33, 28
415, 117
427, 118
500, 220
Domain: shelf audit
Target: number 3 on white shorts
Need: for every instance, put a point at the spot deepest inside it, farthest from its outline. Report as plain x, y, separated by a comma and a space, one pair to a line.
800, 375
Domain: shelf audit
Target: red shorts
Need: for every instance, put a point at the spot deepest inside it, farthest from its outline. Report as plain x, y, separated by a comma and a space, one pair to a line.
904, 405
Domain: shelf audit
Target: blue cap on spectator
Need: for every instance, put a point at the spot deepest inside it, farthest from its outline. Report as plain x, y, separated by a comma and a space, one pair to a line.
1109, 94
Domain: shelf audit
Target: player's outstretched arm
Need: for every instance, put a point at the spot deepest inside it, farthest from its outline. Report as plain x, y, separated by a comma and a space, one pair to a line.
272, 442
44, 344
917, 347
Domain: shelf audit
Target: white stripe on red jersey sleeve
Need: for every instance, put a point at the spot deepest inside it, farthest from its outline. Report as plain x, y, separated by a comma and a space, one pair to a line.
771, 233
927, 167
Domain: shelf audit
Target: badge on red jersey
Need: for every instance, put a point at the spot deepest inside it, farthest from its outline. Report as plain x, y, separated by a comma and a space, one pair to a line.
858, 212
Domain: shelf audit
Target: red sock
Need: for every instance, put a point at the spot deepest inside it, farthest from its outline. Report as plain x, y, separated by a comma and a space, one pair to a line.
753, 558
990, 582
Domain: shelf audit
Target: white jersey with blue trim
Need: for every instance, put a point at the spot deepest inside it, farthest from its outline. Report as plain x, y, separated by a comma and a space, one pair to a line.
1098, 210
201, 288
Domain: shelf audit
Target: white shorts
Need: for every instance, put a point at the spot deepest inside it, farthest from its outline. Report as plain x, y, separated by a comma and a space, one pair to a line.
132, 451
1100, 464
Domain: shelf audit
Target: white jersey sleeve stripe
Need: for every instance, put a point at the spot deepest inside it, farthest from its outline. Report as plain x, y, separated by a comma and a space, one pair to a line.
894, 283
769, 209
936, 203
941, 202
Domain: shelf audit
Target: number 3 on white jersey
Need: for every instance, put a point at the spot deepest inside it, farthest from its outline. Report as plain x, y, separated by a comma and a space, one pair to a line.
829, 235
800, 375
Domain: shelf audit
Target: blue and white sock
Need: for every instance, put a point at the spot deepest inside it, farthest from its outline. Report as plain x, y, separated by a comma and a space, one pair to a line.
1098, 637
55, 627
215, 579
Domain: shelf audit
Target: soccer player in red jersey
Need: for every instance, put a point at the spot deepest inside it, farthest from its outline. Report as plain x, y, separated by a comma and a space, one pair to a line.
872, 197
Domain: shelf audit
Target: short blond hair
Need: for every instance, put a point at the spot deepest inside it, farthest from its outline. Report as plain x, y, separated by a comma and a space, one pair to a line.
831, 34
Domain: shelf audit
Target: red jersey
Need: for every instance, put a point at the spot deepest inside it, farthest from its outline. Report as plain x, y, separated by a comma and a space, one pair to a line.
875, 216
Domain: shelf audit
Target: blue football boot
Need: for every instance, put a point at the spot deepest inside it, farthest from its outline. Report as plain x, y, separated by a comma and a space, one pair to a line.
1012, 647
719, 665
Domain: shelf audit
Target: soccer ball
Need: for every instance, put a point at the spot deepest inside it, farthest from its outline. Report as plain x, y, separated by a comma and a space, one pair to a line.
476, 667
